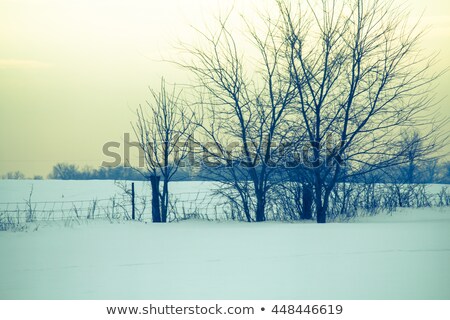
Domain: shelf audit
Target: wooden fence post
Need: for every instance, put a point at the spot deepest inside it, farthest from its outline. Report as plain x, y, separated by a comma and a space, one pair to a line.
132, 202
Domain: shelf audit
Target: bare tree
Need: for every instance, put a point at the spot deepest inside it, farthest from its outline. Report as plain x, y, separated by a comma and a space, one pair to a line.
417, 155
163, 130
341, 80
13, 175
360, 79
244, 104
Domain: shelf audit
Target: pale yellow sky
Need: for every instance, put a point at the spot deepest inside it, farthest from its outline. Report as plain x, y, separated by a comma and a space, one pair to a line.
72, 72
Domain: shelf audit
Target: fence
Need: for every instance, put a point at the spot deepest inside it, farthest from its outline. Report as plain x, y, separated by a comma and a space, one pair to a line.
127, 206
346, 202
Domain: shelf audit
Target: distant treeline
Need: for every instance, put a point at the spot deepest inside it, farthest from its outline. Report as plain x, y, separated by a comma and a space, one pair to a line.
64, 171
427, 172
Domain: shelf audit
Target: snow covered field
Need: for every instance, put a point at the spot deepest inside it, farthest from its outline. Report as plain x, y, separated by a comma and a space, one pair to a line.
404, 256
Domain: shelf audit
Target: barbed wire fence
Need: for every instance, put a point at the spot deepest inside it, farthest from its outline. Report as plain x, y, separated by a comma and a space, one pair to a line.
214, 205
205, 205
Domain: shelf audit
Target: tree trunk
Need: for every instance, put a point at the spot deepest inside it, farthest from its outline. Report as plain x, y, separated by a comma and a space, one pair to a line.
321, 214
307, 200
165, 201
247, 211
260, 207
156, 212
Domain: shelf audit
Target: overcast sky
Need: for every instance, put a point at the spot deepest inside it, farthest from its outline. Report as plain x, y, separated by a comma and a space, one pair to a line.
72, 72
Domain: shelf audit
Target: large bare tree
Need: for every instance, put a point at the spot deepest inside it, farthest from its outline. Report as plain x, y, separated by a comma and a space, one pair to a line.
340, 80
360, 79
244, 105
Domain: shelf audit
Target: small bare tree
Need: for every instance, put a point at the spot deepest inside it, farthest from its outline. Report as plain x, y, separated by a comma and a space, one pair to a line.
417, 156
163, 130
